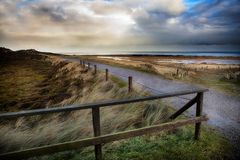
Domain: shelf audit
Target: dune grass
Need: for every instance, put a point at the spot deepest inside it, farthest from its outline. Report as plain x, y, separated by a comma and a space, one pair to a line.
118, 81
18, 81
85, 87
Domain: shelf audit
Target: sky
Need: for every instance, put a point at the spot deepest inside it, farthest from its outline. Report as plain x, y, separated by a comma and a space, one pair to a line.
120, 25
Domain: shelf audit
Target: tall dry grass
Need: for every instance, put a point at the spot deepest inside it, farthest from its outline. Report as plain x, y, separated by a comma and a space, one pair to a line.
82, 86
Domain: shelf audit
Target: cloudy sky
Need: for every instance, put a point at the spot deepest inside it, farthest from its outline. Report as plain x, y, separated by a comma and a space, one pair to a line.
120, 25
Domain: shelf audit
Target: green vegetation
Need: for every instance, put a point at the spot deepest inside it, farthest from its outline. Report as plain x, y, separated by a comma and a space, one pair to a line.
118, 81
229, 86
214, 80
177, 144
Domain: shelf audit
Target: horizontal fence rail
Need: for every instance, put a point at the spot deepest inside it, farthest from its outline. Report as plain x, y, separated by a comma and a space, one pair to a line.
99, 139
94, 105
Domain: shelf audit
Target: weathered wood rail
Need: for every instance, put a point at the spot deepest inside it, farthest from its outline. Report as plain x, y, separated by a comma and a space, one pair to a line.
98, 140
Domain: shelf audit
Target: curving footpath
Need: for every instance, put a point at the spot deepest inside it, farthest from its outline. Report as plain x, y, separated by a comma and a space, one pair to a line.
223, 110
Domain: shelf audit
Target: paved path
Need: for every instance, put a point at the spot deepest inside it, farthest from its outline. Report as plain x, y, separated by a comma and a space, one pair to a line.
223, 110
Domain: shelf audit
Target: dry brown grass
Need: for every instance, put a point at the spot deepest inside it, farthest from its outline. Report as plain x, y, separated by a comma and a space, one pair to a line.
81, 86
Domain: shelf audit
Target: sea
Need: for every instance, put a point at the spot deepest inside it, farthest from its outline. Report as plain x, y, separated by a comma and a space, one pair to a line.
207, 54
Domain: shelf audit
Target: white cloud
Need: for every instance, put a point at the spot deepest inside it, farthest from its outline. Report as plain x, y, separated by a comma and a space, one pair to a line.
173, 7
98, 23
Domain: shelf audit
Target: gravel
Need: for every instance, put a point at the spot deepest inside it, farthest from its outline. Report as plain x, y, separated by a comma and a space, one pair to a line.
223, 110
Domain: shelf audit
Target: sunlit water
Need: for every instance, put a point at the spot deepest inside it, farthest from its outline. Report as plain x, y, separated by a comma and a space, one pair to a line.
206, 61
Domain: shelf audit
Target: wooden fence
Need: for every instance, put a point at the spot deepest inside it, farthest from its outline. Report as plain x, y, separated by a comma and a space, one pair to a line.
98, 140
83, 63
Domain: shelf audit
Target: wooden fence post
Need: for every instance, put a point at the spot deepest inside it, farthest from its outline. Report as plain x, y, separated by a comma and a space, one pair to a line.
83, 64
97, 131
95, 69
88, 66
106, 74
198, 114
129, 84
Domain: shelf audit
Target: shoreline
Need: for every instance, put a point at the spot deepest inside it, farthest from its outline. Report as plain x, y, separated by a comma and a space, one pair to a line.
177, 59
164, 56
159, 55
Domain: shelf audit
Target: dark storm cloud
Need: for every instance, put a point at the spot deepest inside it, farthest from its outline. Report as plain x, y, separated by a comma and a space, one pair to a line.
212, 23
222, 17
55, 13
217, 14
